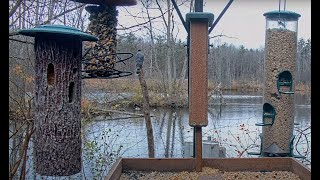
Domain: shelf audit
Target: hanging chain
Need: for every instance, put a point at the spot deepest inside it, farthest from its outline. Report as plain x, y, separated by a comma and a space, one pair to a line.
284, 9
284, 5
279, 5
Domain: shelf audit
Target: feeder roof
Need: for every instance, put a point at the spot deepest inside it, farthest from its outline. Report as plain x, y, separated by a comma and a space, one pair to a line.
58, 29
109, 2
200, 17
282, 14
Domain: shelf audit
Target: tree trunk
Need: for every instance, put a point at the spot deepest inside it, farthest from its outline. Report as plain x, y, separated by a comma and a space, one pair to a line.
169, 64
146, 112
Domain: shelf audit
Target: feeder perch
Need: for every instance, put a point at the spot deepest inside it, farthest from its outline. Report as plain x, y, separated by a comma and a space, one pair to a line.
291, 154
268, 113
285, 81
57, 142
109, 2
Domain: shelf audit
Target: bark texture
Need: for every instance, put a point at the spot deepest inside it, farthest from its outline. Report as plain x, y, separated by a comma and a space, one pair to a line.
146, 112
57, 142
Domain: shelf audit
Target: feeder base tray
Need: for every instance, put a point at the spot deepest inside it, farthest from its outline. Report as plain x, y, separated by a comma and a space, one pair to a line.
282, 165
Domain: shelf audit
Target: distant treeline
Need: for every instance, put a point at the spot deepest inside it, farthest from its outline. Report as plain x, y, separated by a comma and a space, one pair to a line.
227, 63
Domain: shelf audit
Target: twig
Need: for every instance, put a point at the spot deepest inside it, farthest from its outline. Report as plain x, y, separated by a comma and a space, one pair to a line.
122, 112
27, 42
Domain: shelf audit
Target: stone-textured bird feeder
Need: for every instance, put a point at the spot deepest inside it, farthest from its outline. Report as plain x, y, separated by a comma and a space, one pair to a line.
57, 142
198, 23
278, 95
103, 23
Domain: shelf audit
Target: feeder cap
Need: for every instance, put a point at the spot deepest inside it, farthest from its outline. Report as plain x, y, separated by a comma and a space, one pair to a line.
199, 17
58, 29
282, 14
109, 2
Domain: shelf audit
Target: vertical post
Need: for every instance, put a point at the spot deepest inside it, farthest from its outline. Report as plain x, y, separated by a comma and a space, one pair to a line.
57, 143
198, 74
146, 112
197, 130
198, 5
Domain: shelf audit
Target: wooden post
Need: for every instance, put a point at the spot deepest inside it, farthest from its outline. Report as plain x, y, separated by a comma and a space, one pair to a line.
146, 112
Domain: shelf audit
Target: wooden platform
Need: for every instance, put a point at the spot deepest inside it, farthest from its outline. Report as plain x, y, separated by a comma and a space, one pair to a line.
223, 164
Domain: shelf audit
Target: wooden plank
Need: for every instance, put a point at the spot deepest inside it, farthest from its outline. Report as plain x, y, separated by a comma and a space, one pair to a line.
115, 171
249, 164
299, 169
155, 164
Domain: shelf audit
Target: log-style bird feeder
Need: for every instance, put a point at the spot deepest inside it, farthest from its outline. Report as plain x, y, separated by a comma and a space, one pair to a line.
198, 23
280, 64
57, 142
101, 58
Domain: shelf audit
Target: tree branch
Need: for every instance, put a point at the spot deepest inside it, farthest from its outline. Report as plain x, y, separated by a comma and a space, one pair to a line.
63, 13
14, 8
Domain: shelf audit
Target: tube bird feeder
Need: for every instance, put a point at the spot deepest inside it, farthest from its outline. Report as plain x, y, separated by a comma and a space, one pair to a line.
280, 67
57, 142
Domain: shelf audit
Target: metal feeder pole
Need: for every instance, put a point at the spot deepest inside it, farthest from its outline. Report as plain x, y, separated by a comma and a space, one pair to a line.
57, 142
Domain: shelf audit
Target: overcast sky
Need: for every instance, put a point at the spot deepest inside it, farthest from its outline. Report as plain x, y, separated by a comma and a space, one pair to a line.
243, 20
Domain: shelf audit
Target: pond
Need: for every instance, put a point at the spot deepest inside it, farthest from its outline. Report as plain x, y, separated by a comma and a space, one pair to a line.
231, 126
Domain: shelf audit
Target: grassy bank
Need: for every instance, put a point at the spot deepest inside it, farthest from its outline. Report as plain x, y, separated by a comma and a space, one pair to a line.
158, 91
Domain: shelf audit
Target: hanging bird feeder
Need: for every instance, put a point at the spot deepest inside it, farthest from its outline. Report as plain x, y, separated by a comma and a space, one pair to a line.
284, 83
280, 66
101, 57
57, 142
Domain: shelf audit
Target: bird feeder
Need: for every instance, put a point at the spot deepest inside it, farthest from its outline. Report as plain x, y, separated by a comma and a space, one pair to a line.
57, 142
101, 57
198, 23
268, 116
280, 67
284, 83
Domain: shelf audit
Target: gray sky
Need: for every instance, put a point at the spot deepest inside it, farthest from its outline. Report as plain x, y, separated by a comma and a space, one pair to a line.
243, 20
